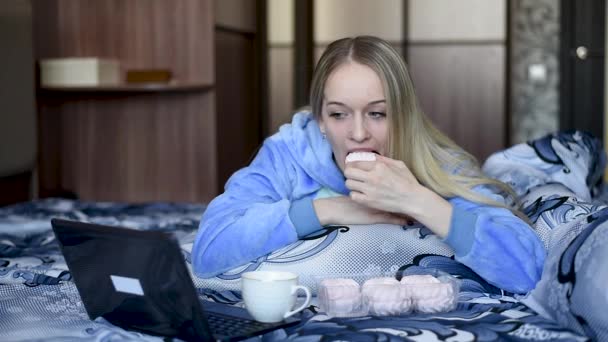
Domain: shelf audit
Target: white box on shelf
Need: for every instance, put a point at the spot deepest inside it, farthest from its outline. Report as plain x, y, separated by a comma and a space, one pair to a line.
87, 71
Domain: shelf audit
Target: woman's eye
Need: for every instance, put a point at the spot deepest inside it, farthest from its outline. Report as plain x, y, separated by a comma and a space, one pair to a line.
377, 114
337, 115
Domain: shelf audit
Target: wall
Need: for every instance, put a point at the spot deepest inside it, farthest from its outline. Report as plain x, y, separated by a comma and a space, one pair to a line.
337, 19
534, 68
280, 14
532, 35
332, 20
456, 51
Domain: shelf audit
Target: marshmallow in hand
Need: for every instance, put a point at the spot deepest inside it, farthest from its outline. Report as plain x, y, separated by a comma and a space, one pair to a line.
360, 156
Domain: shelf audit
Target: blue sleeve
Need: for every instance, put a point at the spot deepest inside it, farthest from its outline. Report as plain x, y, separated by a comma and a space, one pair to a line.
250, 219
499, 246
304, 217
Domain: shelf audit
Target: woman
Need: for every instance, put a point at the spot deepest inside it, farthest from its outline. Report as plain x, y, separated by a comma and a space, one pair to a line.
362, 99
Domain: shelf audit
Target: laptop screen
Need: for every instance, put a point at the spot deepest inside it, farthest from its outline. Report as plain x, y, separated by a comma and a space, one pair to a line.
135, 279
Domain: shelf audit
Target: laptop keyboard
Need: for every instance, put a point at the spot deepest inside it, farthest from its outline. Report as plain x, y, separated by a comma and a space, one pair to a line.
234, 326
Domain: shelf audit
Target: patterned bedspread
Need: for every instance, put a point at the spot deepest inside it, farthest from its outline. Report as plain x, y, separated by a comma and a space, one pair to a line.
38, 300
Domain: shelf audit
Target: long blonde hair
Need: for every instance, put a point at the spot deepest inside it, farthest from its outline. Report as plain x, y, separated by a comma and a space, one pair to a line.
436, 161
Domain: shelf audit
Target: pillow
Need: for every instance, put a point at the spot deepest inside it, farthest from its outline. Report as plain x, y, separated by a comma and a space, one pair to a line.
574, 159
339, 250
551, 206
572, 290
358, 249
383, 248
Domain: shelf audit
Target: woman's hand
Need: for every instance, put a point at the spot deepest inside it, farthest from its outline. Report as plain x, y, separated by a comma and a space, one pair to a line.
385, 184
388, 185
343, 210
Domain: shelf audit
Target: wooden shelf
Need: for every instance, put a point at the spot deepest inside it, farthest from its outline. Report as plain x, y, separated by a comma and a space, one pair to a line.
131, 142
129, 88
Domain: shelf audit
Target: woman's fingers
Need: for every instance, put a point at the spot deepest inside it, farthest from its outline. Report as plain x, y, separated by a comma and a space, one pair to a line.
362, 165
357, 197
354, 210
393, 219
392, 162
355, 173
355, 185
364, 198
397, 165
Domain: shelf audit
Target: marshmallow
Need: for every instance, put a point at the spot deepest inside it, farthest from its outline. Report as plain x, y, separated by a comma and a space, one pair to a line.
340, 297
385, 296
435, 298
343, 297
428, 294
360, 156
419, 279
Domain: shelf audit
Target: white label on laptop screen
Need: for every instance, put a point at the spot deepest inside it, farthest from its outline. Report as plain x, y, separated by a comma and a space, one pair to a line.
127, 285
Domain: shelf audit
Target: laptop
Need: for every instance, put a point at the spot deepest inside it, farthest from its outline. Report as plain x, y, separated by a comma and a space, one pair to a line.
138, 280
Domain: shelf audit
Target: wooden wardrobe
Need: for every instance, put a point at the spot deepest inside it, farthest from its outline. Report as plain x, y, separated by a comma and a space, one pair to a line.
146, 143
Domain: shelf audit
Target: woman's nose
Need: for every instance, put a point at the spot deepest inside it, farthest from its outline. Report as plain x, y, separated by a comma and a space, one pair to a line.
359, 130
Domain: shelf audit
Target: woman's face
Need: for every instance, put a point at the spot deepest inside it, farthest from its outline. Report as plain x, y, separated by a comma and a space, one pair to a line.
354, 114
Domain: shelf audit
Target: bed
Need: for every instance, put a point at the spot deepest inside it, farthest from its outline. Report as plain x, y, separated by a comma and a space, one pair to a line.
38, 300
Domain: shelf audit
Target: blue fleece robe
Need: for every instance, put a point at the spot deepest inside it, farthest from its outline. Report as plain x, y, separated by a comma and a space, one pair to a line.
266, 206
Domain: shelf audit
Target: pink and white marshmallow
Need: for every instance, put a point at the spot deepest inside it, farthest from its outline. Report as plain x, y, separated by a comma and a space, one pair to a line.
435, 298
340, 297
360, 156
385, 297
419, 279
429, 294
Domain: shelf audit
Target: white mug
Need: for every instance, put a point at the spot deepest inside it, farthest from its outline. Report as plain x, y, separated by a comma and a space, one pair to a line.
270, 295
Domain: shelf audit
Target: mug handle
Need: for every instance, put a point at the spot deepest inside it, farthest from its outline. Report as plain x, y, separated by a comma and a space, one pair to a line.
294, 289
